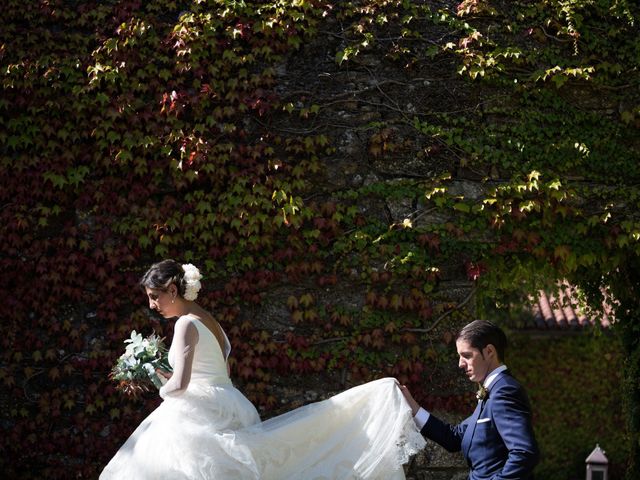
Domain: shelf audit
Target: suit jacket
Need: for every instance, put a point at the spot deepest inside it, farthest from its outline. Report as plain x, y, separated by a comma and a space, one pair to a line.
497, 441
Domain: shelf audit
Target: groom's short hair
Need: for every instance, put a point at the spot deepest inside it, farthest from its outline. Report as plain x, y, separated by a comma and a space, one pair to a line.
481, 333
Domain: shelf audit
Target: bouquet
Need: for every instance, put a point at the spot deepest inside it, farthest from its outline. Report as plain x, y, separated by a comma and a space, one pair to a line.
135, 370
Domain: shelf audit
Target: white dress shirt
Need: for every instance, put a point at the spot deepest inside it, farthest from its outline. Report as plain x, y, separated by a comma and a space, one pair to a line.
422, 416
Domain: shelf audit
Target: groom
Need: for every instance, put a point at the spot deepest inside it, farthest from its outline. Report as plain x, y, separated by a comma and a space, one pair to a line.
497, 440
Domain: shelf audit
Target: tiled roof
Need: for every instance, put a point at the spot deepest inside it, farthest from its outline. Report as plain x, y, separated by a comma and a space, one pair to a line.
561, 311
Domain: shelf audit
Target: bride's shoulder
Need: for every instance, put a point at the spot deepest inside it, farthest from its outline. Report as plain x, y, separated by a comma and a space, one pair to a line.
186, 319
185, 324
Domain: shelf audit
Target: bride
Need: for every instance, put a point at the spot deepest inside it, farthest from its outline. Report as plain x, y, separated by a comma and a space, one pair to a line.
206, 429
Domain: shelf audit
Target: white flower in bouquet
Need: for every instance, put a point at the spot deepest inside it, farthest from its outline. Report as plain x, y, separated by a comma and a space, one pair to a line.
135, 369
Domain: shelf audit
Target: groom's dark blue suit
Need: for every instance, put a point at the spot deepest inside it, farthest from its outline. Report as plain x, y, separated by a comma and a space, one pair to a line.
497, 441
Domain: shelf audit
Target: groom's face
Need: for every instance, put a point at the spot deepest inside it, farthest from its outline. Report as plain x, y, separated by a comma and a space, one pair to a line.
474, 364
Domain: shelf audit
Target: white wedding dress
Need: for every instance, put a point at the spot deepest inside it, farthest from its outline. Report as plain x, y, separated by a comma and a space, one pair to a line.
212, 431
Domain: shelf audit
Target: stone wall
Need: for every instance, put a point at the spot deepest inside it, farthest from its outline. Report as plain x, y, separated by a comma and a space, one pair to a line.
374, 98
435, 463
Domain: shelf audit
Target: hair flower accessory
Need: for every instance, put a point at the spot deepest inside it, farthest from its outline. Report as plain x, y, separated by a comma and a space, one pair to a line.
192, 278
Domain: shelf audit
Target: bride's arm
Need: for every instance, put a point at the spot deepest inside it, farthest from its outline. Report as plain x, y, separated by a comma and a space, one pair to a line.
185, 338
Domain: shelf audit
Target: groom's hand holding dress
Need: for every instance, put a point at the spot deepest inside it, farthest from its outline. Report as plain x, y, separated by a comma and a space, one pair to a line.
497, 440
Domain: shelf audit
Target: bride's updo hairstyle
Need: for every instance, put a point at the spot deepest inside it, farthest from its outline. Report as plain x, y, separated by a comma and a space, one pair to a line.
185, 277
162, 274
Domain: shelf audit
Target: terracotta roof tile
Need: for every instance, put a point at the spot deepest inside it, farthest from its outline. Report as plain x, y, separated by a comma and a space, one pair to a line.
560, 310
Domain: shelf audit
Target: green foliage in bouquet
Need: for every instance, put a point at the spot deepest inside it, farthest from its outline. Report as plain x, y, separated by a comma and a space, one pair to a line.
135, 369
